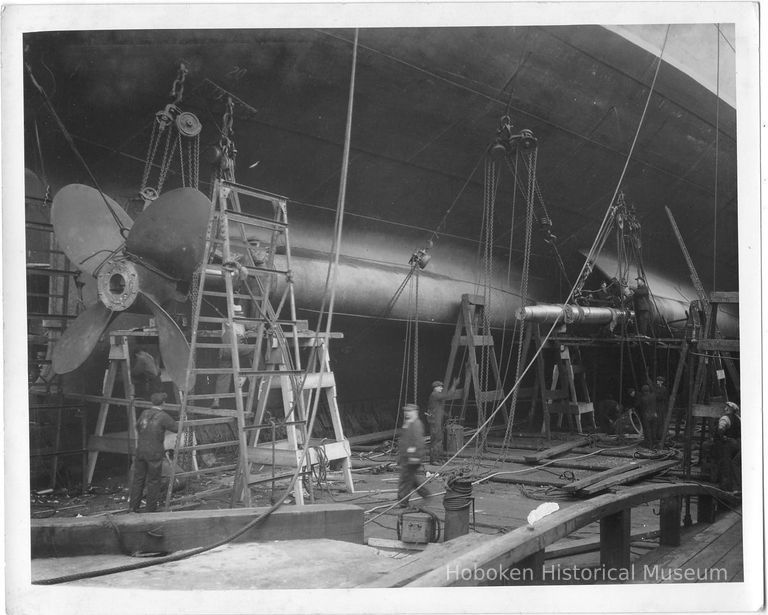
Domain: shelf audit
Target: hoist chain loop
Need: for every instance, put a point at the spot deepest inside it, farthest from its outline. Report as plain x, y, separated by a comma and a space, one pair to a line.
177, 90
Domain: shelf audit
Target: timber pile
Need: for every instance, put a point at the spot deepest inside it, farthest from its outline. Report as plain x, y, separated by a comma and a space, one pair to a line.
621, 475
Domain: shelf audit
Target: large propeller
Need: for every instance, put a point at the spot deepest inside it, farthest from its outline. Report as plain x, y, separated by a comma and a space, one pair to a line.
142, 271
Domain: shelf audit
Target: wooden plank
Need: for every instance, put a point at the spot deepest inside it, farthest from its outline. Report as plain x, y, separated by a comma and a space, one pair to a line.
706, 558
626, 477
732, 562
710, 411
718, 345
614, 540
695, 539
669, 520
596, 478
370, 438
181, 530
724, 297
555, 450
389, 543
475, 340
587, 545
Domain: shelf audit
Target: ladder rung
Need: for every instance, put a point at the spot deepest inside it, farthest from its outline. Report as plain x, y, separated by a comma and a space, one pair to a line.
240, 346
212, 396
203, 447
248, 371
217, 269
253, 220
206, 471
218, 293
196, 422
259, 194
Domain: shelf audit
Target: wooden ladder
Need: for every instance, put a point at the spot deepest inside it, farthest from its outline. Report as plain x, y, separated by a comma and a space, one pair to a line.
472, 334
240, 254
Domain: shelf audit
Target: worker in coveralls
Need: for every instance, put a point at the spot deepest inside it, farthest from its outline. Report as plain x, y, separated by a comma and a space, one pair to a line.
150, 451
727, 447
649, 415
436, 418
410, 455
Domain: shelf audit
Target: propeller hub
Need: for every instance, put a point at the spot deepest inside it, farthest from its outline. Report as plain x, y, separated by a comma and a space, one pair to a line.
118, 284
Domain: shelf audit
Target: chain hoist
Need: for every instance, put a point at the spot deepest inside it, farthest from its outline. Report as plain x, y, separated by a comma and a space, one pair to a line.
225, 153
173, 130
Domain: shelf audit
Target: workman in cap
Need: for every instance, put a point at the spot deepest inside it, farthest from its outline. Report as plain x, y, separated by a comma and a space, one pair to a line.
150, 451
727, 447
641, 298
436, 418
649, 415
411, 449
662, 399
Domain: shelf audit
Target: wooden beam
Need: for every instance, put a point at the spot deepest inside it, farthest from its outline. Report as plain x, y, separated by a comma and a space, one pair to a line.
596, 478
626, 477
614, 540
723, 297
587, 545
669, 520
555, 450
717, 345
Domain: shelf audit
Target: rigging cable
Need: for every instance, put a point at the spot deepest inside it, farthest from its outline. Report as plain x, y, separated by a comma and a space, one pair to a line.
717, 153
570, 295
70, 141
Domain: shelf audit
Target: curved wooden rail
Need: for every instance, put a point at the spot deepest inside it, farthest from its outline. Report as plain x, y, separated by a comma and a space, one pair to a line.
524, 546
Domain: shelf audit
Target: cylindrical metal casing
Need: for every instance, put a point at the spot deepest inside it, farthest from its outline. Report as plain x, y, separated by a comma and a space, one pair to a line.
573, 314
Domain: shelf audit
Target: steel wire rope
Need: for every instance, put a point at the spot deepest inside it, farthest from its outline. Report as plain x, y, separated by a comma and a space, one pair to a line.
505, 364
70, 141
304, 450
570, 294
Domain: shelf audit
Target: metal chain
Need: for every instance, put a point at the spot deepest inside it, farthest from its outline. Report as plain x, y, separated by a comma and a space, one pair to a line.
523, 285
154, 141
177, 89
166, 164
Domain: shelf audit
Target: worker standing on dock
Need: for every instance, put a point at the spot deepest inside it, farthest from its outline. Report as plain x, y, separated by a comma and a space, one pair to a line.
436, 418
411, 450
150, 449
649, 415
728, 447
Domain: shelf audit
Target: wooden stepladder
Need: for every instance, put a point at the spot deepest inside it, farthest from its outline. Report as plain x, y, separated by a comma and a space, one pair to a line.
120, 442
115, 442
297, 395
569, 394
242, 340
472, 336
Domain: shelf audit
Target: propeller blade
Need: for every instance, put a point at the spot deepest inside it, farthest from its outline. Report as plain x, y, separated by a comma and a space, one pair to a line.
170, 233
80, 338
174, 347
84, 227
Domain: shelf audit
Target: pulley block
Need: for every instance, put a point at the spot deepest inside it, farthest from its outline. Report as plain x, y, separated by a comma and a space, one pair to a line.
188, 124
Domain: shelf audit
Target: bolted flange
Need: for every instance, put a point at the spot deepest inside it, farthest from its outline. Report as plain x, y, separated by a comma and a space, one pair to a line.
118, 284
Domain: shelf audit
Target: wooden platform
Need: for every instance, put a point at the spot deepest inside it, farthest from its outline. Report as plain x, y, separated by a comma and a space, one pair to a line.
707, 554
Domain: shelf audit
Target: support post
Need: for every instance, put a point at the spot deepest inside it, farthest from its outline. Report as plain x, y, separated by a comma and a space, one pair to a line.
705, 509
615, 539
529, 570
669, 521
